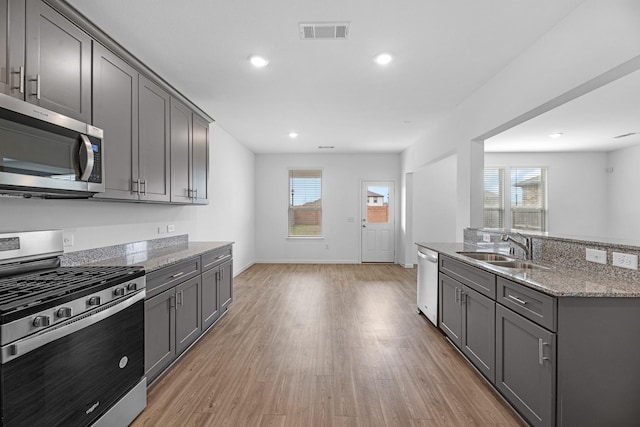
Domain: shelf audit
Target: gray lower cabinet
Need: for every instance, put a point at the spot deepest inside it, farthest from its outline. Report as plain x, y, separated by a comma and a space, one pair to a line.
468, 318
188, 317
226, 285
526, 366
159, 333
217, 285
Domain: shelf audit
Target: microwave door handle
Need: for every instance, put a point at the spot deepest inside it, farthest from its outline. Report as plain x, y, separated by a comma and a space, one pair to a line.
86, 158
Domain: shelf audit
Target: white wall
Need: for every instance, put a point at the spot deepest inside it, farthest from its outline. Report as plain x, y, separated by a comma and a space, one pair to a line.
433, 186
342, 175
228, 217
576, 185
598, 36
624, 198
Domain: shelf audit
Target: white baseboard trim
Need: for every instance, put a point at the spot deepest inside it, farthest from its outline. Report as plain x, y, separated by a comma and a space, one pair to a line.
305, 261
409, 266
240, 270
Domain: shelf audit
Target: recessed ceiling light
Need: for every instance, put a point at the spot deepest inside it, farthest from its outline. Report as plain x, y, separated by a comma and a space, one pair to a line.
258, 61
383, 59
293, 135
325, 147
555, 135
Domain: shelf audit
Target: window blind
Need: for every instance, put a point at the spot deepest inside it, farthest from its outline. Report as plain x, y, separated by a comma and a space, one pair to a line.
305, 203
529, 199
493, 198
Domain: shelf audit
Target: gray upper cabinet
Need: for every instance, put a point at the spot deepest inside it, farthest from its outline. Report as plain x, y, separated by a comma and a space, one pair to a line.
115, 110
181, 128
200, 159
189, 155
58, 63
154, 145
12, 36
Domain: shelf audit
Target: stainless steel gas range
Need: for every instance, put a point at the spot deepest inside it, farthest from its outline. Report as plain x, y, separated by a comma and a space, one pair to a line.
72, 338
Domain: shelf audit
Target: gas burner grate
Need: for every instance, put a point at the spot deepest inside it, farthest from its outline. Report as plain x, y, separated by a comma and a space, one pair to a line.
37, 288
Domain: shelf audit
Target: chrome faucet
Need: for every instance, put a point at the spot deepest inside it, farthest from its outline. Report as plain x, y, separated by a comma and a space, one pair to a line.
527, 246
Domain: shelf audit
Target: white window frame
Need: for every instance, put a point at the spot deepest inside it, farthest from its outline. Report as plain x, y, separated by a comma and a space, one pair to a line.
320, 236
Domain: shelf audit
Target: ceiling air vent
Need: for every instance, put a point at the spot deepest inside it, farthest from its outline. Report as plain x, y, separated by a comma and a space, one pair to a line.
324, 30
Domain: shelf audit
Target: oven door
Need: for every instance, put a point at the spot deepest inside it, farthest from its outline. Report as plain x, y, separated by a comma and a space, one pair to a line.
77, 377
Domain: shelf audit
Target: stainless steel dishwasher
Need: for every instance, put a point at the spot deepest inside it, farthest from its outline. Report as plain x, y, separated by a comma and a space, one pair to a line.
428, 283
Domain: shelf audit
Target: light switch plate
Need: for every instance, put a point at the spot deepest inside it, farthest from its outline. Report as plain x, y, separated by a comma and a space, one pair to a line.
596, 255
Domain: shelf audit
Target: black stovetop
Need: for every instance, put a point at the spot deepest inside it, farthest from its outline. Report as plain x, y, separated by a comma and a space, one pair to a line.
32, 292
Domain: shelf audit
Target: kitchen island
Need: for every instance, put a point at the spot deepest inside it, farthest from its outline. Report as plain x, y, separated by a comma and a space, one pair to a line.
559, 343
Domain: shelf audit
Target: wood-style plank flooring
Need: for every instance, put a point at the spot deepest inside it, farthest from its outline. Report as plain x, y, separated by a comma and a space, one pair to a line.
316, 345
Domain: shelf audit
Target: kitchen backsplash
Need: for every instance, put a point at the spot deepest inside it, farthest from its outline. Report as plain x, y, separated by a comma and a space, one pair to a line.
558, 250
108, 252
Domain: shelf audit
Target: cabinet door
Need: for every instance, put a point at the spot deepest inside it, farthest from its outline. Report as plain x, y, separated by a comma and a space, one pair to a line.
115, 110
200, 159
154, 150
58, 63
525, 366
479, 331
12, 23
159, 335
181, 191
188, 317
210, 299
226, 285
450, 308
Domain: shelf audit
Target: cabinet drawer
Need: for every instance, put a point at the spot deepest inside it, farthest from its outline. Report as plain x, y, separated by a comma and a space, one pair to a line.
476, 278
167, 277
215, 258
534, 305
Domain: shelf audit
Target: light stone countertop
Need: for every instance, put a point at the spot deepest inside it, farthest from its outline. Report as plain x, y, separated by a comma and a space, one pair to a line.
154, 259
559, 281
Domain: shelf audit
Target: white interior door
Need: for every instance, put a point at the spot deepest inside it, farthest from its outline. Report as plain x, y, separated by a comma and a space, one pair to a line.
378, 222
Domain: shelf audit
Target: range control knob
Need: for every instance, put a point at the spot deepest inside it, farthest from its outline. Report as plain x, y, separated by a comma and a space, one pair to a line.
63, 312
118, 292
41, 321
132, 286
94, 301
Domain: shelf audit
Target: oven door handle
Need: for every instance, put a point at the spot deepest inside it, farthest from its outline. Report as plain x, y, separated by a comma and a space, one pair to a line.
32, 342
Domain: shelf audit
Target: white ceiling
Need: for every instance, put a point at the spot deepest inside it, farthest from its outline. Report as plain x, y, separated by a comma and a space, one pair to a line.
329, 91
588, 123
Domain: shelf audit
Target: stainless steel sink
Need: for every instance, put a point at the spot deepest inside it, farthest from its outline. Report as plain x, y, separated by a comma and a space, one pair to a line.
520, 265
487, 256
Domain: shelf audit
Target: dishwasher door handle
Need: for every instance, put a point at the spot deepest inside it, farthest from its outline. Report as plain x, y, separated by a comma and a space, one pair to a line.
428, 257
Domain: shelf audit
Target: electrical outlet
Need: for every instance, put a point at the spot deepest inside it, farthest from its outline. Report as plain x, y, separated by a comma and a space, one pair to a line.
595, 255
171, 228
625, 260
486, 237
67, 240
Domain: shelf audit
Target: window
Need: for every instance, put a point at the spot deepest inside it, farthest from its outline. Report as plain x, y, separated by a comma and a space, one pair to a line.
305, 203
493, 198
528, 199
524, 207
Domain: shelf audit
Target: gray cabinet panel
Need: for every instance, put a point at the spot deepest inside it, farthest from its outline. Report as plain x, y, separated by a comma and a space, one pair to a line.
479, 331
58, 54
154, 150
532, 304
526, 366
188, 317
115, 110
210, 299
200, 159
226, 285
12, 39
180, 152
474, 277
159, 335
450, 308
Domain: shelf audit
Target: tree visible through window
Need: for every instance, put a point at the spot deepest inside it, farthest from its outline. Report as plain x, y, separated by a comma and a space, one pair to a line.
305, 203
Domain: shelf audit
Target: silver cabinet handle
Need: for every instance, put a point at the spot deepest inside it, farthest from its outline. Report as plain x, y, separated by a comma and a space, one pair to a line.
463, 297
456, 296
177, 275
20, 86
195, 192
144, 187
37, 80
516, 299
137, 183
541, 356
180, 298
86, 157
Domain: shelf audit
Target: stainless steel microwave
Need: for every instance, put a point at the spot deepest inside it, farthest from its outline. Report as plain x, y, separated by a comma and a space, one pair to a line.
46, 154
